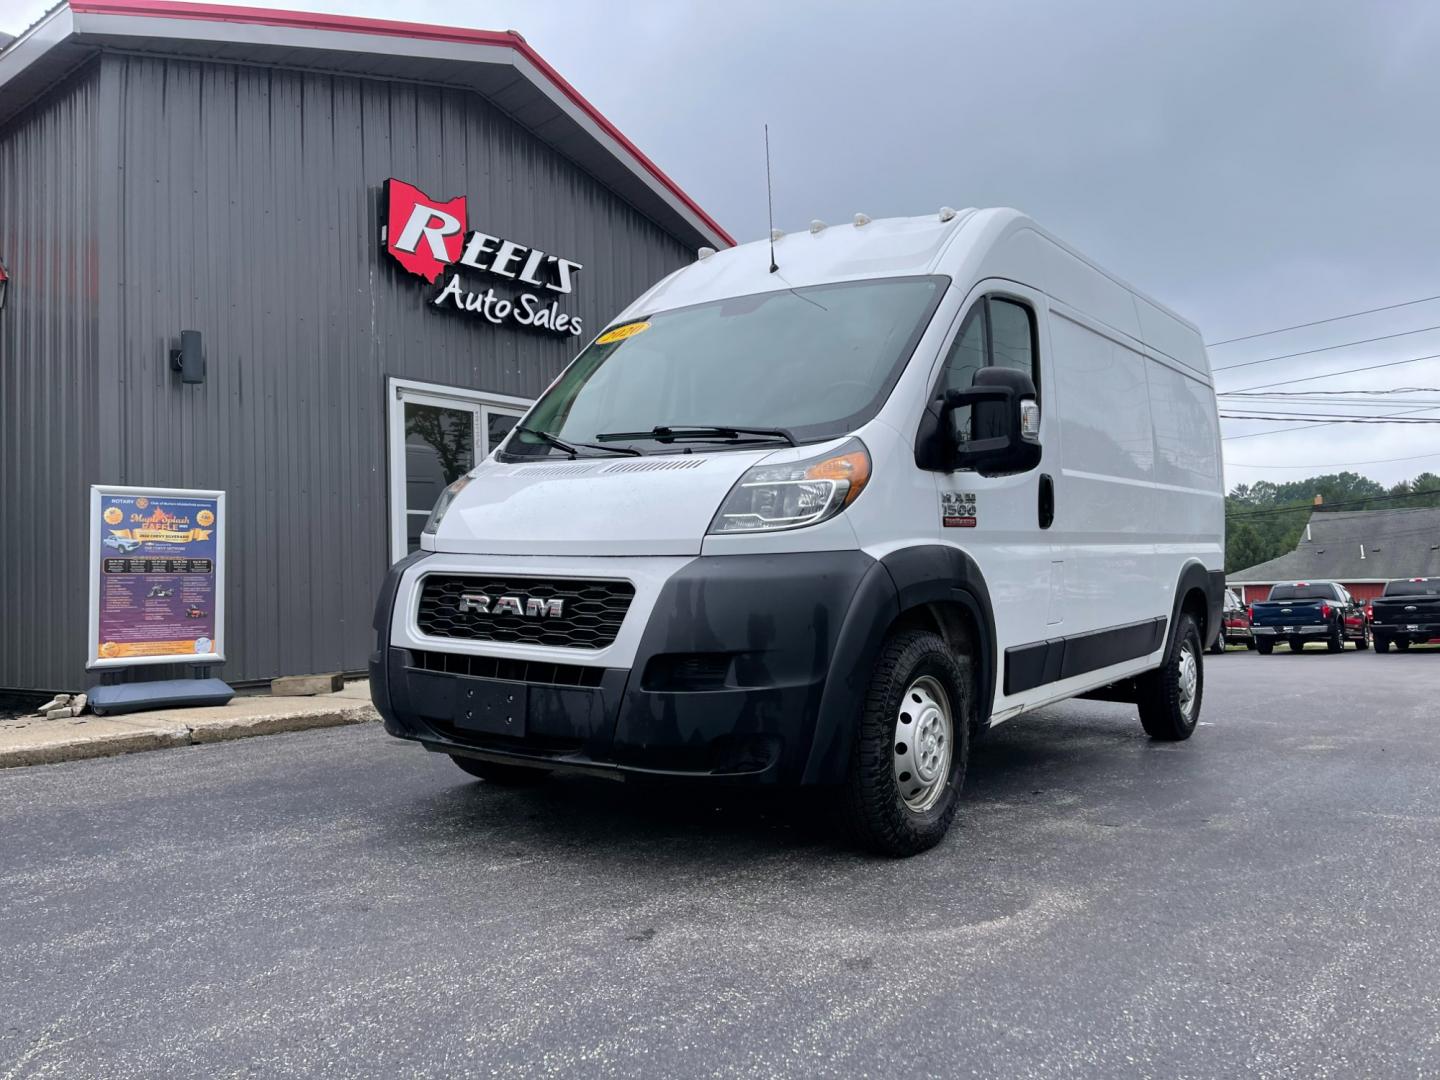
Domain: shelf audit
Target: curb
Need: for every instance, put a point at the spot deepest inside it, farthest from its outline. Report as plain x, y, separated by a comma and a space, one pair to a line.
51, 742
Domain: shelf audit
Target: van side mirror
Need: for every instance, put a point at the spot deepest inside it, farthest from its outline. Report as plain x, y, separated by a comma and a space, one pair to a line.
1004, 434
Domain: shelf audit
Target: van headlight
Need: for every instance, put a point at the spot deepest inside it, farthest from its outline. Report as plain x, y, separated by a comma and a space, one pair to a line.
442, 504
771, 497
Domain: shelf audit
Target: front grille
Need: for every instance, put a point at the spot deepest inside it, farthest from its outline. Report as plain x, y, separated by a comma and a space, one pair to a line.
590, 618
499, 667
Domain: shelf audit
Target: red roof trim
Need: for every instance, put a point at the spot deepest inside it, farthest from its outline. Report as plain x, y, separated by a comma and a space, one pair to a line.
307, 20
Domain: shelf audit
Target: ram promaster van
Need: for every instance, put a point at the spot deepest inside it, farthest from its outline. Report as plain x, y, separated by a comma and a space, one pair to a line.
824, 521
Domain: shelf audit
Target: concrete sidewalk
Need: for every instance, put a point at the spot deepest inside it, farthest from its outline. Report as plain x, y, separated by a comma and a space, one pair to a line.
32, 741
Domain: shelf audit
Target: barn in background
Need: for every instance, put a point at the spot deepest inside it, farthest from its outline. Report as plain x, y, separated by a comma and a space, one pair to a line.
1361, 550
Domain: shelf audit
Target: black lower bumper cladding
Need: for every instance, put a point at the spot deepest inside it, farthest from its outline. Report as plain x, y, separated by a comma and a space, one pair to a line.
742, 660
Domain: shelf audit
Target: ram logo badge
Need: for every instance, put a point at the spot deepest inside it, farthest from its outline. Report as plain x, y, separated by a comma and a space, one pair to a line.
530, 607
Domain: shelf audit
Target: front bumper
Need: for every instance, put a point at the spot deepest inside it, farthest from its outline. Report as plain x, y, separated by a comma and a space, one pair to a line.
745, 668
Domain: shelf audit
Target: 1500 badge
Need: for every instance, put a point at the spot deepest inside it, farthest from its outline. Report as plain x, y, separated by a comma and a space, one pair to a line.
957, 509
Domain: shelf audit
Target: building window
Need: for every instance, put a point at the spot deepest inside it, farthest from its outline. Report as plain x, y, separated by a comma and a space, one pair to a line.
437, 434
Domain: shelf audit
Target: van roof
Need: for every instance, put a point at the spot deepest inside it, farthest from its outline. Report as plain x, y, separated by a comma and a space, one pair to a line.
995, 242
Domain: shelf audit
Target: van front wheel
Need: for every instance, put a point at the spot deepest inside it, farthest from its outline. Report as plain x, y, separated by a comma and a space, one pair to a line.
1169, 697
908, 763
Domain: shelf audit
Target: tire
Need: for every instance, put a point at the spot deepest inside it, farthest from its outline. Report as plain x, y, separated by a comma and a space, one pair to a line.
1265, 647
1382, 643
1250, 644
1402, 644
1170, 696
501, 775
1219, 646
1364, 642
1335, 641
1296, 645
884, 812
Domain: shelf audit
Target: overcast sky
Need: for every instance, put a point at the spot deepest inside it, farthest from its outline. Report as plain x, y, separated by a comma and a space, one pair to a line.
1251, 165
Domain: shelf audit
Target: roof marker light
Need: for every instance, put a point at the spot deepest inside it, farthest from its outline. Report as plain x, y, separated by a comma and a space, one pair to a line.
862, 219
947, 212
705, 253
776, 235
817, 227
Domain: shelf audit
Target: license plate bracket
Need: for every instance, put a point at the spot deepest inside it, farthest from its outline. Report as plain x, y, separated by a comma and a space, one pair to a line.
491, 707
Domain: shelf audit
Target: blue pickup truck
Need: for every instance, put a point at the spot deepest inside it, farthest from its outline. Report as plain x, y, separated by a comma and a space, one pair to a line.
1304, 611
1407, 614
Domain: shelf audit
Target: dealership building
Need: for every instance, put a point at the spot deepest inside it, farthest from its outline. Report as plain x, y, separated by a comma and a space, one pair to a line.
318, 263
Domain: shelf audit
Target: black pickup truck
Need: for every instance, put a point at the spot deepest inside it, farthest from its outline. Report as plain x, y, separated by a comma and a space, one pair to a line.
1407, 613
1309, 611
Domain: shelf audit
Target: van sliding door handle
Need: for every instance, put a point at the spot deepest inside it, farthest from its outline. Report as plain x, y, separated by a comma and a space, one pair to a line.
1047, 501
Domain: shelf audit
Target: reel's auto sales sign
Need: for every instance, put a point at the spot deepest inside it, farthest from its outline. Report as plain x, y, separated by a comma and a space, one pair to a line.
429, 238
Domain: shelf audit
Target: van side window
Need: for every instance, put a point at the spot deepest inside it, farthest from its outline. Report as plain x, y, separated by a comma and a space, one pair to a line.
1011, 343
996, 333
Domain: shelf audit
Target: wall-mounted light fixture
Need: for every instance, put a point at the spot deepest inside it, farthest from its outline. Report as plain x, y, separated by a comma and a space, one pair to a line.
4, 284
189, 359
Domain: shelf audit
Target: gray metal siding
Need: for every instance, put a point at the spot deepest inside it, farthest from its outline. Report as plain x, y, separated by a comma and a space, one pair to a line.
244, 202
247, 207
48, 400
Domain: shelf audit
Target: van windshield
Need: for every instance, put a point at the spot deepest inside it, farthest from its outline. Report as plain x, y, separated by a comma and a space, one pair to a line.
813, 362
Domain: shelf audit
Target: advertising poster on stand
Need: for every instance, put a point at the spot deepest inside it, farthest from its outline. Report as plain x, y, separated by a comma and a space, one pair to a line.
157, 559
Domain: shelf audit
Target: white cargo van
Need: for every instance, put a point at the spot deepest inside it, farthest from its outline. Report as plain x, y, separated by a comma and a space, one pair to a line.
824, 524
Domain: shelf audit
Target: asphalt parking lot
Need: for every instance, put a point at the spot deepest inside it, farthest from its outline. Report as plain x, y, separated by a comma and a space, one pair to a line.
1259, 901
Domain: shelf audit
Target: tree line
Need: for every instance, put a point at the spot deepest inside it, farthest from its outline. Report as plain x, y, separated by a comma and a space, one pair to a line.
1255, 539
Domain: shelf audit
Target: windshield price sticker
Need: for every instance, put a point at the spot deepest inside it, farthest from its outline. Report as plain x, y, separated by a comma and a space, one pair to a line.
620, 333
957, 509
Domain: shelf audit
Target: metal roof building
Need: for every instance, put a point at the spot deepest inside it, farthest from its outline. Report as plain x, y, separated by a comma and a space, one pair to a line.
1361, 549
389, 237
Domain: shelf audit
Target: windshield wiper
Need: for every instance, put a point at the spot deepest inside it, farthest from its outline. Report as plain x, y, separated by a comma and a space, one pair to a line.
702, 433
573, 448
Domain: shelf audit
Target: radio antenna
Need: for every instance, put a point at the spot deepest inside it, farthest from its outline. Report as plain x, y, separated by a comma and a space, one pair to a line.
770, 200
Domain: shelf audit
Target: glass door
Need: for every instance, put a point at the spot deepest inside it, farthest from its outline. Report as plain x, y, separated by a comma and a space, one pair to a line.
437, 435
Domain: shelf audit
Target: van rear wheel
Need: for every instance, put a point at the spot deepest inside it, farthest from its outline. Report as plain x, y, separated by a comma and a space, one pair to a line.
910, 752
1169, 697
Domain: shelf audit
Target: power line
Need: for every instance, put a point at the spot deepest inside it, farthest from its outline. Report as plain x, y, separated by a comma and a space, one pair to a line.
1322, 542
1331, 418
1326, 507
1273, 403
1333, 374
1335, 464
1326, 348
1339, 393
1312, 426
1321, 322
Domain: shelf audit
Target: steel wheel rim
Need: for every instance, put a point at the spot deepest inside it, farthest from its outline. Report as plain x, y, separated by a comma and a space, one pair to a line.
1188, 680
924, 744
